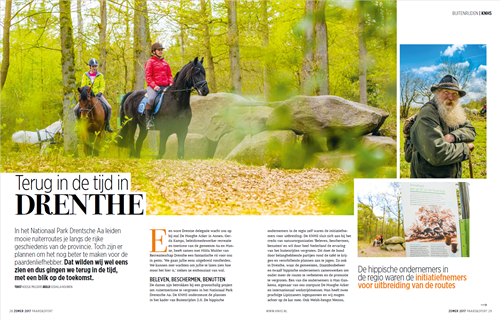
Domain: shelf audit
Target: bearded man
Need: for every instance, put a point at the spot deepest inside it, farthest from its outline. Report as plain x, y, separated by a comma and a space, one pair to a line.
441, 135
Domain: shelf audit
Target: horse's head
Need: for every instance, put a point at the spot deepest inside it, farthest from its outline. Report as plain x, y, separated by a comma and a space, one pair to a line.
85, 101
55, 128
195, 77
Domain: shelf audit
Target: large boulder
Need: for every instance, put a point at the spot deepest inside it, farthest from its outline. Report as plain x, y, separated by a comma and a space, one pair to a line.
388, 145
271, 148
249, 120
204, 108
332, 159
330, 115
394, 240
196, 146
394, 247
227, 143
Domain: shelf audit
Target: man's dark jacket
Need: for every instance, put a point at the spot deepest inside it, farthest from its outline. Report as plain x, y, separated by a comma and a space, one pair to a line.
433, 157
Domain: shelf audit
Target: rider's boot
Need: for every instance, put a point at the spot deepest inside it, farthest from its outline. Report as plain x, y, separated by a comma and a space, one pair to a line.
108, 127
149, 117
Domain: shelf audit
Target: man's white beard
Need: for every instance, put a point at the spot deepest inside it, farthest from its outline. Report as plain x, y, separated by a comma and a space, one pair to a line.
453, 115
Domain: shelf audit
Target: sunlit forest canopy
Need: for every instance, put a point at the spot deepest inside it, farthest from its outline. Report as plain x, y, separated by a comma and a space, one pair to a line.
270, 36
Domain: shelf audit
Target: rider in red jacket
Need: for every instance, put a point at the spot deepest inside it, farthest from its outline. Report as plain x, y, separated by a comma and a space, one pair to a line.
158, 74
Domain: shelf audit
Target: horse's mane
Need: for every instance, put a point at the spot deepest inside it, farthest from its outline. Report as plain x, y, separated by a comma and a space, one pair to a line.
83, 93
182, 75
186, 72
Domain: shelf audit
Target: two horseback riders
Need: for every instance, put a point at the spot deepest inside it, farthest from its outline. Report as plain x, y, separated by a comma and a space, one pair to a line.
158, 78
95, 80
174, 115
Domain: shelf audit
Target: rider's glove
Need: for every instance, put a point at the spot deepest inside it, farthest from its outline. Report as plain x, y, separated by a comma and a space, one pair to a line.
99, 94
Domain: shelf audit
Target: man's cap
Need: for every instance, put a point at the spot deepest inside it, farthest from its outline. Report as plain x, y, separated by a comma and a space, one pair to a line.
449, 82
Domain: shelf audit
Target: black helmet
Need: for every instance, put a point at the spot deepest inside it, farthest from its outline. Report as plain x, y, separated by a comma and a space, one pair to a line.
155, 46
93, 62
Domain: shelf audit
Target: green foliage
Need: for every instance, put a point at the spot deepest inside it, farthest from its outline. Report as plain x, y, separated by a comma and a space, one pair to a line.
367, 163
34, 84
476, 104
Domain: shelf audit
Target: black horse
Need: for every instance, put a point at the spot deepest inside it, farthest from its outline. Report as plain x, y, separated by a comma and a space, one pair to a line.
174, 115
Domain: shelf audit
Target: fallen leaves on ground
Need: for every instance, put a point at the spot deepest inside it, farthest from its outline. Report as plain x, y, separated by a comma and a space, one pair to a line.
219, 187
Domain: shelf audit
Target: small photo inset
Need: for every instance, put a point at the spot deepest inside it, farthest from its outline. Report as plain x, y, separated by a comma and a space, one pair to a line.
413, 219
443, 111
380, 218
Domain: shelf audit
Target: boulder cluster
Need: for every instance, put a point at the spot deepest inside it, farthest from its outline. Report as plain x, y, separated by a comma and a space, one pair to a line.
394, 244
300, 132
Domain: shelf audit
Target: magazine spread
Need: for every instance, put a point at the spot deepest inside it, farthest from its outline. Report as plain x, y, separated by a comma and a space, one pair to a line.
249, 159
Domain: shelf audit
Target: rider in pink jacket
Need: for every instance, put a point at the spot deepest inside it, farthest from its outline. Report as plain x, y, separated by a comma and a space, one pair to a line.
158, 74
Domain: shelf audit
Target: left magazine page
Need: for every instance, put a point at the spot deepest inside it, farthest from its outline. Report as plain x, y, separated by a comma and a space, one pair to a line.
190, 158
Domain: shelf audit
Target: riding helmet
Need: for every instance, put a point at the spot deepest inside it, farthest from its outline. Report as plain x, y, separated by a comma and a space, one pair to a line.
93, 62
155, 46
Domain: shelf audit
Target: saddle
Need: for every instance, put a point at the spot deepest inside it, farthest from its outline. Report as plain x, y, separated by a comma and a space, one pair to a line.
160, 93
156, 102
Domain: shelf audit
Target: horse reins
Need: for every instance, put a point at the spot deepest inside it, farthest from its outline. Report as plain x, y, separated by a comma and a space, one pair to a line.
195, 86
88, 110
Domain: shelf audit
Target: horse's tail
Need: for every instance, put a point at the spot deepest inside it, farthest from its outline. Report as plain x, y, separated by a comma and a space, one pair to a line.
124, 132
122, 110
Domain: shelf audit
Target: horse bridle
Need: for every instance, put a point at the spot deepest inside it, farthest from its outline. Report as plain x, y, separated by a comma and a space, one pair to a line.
88, 110
197, 86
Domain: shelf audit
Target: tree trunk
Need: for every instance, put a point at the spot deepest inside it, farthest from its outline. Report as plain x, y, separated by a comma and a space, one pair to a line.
234, 46
181, 24
265, 44
102, 37
362, 53
383, 220
80, 33
6, 44
208, 49
68, 76
399, 219
141, 49
126, 49
307, 84
321, 49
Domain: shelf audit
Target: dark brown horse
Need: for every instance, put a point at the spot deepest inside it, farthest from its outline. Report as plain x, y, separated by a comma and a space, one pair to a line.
174, 115
92, 121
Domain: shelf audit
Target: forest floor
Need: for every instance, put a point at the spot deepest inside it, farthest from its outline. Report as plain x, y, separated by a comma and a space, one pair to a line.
367, 250
202, 187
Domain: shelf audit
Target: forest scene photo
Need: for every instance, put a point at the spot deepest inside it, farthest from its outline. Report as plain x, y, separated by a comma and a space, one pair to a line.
274, 107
